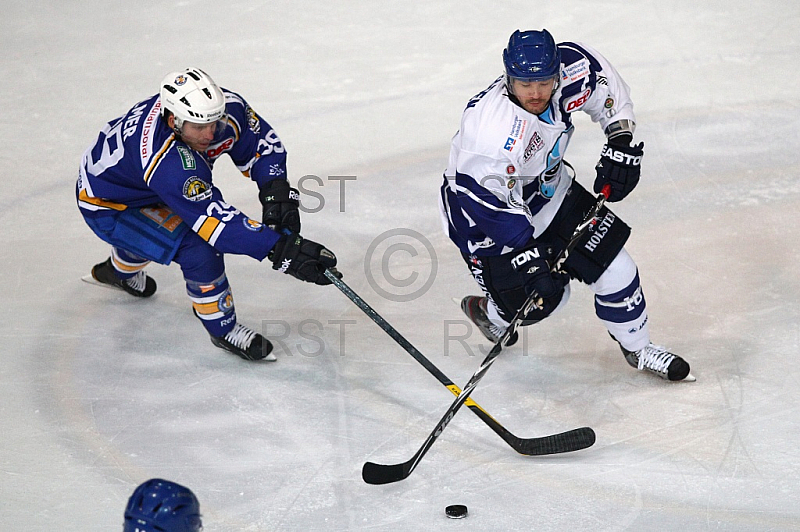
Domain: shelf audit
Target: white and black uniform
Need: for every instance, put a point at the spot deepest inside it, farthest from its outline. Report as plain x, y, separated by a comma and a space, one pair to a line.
507, 187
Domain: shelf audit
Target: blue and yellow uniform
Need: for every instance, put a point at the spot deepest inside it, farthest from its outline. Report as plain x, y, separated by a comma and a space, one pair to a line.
152, 197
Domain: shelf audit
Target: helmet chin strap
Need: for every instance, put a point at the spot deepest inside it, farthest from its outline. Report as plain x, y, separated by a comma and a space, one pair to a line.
175, 124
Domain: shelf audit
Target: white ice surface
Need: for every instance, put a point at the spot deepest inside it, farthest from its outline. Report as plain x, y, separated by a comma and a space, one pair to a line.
100, 392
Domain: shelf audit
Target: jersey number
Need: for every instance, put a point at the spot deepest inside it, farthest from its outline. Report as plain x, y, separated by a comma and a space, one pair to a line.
113, 149
225, 212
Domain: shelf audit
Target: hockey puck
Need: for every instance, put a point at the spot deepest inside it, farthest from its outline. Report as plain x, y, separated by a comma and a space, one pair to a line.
456, 511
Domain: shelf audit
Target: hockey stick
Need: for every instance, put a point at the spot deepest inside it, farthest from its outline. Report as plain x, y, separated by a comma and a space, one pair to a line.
569, 441
373, 473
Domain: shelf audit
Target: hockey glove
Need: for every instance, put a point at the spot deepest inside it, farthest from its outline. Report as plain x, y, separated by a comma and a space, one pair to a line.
281, 204
619, 167
533, 268
303, 259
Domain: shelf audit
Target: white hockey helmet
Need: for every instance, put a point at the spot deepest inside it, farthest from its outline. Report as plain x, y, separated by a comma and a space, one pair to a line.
191, 95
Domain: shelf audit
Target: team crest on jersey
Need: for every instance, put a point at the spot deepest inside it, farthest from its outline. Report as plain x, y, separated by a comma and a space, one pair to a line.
187, 159
180, 80
195, 189
252, 120
253, 225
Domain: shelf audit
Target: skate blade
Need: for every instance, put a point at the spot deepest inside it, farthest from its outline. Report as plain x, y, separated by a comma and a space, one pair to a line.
689, 378
91, 280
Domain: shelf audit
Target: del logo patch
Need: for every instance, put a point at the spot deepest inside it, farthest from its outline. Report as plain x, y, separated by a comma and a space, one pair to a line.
195, 189
187, 159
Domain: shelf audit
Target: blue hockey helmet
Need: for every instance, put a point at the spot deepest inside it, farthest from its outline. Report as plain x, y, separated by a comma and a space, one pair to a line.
162, 506
532, 56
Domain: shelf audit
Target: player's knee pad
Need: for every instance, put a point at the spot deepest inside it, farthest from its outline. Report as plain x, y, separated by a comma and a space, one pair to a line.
212, 303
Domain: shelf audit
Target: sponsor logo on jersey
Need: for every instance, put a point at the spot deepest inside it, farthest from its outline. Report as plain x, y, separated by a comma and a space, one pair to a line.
609, 103
195, 189
252, 120
517, 132
163, 216
187, 159
577, 101
511, 183
146, 140
575, 71
534, 145
518, 128
253, 225
218, 149
510, 169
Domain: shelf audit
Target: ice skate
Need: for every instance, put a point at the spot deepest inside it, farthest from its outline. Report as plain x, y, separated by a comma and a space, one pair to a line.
658, 360
246, 343
140, 285
475, 309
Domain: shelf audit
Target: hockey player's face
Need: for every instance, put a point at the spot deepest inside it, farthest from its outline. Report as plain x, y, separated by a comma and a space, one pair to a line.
534, 96
198, 136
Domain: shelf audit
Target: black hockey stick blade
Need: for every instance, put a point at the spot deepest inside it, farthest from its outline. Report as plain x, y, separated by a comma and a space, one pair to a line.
566, 442
373, 473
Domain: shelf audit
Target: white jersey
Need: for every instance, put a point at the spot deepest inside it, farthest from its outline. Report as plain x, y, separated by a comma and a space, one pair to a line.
506, 177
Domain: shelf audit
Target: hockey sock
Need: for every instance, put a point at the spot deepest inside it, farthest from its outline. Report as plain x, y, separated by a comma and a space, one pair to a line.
126, 264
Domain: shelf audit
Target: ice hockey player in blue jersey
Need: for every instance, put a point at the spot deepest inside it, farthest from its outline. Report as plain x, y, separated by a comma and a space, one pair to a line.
510, 201
145, 187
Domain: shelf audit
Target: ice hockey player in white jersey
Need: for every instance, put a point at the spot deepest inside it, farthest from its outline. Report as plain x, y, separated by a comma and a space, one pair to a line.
510, 201
145, 187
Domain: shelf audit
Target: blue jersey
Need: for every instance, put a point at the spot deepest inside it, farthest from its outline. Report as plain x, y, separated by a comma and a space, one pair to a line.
137, 161
505, 178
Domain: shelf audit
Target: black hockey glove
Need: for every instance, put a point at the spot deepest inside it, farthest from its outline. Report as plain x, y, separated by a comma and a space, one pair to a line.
303, 259
281, 204
619, 167
533, 267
